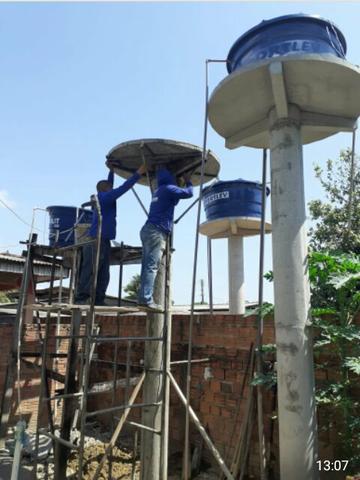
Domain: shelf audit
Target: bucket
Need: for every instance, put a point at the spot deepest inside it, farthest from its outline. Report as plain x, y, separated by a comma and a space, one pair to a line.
287, 35
62, 221
234, 198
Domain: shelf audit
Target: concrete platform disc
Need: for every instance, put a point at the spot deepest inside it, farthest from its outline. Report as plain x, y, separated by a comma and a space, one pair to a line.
325, 88
180, 157
225, 227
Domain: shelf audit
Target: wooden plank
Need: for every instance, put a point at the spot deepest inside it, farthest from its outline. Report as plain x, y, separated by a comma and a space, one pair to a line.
69, 406
49, 373
38, 355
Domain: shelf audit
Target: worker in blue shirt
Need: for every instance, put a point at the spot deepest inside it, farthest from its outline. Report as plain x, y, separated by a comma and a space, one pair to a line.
107, 196
156, 230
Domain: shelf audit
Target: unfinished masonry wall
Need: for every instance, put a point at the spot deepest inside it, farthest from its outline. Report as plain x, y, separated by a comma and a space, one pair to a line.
217, 393
30, 375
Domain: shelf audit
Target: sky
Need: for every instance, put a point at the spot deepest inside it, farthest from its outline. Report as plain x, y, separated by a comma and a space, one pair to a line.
79, 78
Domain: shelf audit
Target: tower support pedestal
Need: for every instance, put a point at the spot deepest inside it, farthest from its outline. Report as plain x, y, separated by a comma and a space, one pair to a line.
150, 461
295, 369
236, 275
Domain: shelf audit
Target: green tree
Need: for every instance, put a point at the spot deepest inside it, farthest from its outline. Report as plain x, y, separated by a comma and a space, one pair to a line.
335, 283
337, 220
132, 288
335, 302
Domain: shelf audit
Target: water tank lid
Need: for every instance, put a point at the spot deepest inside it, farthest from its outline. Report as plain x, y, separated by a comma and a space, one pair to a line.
238, 180
250, 183
180, 157
283, 19
60, 206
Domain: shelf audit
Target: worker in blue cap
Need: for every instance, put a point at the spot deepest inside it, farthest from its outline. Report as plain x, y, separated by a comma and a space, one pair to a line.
155, 232
107, 196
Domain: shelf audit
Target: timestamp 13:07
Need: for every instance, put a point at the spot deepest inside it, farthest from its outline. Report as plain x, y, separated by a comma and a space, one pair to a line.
332, 465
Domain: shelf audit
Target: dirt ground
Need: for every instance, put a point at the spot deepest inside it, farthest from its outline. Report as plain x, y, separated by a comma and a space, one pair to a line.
121, 464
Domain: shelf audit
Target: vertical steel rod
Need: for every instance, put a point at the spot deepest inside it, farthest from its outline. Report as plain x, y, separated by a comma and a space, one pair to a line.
210, 275
58, 340
188, 373
88, 333
128, 371
166, 363
72, 283
260, 326
352, 170
121, 272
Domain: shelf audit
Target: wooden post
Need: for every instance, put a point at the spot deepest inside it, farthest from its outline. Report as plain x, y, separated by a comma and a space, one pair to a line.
61, 452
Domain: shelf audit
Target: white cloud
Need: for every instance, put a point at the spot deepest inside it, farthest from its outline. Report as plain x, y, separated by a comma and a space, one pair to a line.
4, 196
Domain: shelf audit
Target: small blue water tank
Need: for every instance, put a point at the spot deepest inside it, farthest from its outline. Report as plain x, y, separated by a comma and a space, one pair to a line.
62, 221
233, 198
287, 35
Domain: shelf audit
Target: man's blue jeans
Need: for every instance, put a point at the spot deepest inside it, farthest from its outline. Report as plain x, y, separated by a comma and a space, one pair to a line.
153, 243
88, 253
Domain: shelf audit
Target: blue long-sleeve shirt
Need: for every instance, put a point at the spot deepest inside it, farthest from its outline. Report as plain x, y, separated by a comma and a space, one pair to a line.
164, 199
107, 201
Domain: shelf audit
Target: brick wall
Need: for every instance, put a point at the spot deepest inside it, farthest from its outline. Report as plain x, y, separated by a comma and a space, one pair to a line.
30, 376
218, 390
218, 387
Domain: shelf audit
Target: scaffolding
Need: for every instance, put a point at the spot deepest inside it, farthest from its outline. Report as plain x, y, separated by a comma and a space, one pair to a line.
82, 339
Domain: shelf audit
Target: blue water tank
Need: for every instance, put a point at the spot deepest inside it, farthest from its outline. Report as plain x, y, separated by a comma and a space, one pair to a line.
62, 221
234, 198
286, 35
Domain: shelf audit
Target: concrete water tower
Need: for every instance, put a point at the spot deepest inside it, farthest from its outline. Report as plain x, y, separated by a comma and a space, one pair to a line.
289, 84
233, 211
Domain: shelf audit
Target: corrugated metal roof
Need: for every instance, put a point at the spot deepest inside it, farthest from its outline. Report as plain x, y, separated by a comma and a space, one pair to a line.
11, 257
12, 264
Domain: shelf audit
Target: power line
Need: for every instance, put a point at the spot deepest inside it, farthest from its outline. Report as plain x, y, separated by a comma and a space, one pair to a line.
18, 216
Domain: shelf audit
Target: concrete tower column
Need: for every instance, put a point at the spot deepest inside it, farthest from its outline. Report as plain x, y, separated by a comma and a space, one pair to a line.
150, 455
295, 370
236, 274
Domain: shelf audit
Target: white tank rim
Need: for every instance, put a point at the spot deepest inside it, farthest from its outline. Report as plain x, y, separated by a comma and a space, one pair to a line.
233, 226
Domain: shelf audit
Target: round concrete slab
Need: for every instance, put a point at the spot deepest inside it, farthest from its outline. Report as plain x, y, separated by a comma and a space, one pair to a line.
325, 88
226, 227
179, 157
